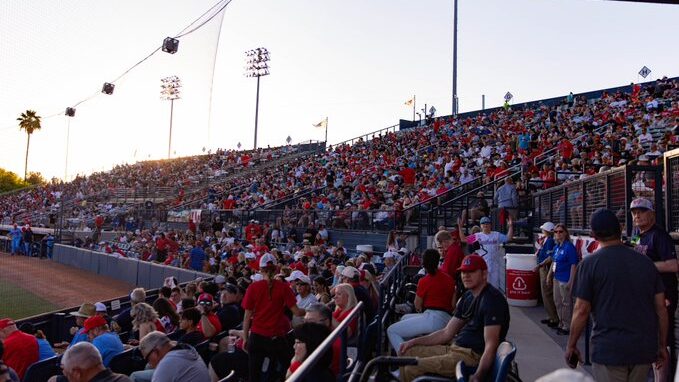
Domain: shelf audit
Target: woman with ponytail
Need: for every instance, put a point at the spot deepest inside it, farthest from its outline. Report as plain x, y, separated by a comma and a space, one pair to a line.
265, 325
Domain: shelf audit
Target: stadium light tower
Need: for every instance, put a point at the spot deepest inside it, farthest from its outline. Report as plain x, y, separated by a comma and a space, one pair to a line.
257, 66
169, 91
454, 109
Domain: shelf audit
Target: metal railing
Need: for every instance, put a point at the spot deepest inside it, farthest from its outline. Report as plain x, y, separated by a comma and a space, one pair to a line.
573, 203
366, 137
672, 190
341, 332
365, 220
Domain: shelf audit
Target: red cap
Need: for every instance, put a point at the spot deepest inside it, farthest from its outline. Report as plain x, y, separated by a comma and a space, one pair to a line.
94, 322
5, 322
206, 297
473, 263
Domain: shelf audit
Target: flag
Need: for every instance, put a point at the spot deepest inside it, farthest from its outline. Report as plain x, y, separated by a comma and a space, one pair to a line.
323, 124
410, 102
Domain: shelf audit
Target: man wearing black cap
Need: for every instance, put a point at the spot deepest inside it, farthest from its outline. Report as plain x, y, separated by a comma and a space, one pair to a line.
653, 241
479, 324
624, 293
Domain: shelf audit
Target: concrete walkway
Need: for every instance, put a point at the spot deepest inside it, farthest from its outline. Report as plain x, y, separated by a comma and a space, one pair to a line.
537, 351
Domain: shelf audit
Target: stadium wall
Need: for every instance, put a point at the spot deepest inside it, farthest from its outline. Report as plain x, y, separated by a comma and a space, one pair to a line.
139, 273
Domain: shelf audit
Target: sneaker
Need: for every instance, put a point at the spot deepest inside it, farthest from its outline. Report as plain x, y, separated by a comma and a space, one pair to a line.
562, 332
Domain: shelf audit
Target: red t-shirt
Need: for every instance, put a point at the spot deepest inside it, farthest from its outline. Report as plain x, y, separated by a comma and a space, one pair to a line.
437, 291
340, 315
453, 260
214, 320
408, 175
21, 351
268, 306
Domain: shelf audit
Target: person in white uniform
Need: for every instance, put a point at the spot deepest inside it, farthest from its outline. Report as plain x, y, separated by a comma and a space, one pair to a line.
491, 252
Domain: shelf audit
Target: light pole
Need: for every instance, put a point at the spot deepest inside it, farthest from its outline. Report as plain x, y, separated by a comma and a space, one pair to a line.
257, 66
169, 91
454, 57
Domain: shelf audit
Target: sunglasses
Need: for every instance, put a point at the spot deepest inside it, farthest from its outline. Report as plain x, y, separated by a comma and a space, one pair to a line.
146, 358
559, 231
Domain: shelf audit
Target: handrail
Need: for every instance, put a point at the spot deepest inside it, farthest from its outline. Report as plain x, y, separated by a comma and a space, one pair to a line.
449, 191
341, 332
351, 141
535, 160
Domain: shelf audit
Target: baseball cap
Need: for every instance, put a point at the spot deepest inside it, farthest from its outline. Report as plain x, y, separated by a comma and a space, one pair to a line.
100, 307
350, 272
257, 277
641, 203
389, 255
205, 297
266, 259
485, 220
304, 279
220, 279
94, 322
473, 263
604, 220
86, 310
295, 275
5, 322
547, 226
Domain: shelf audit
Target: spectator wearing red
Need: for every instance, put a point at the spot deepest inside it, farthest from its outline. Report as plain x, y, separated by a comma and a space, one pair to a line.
408, 175
450, 247
566, 149
209, 324
21, 349
433, 302
263, 336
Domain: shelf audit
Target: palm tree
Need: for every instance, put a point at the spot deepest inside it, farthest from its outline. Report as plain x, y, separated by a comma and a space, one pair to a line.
30, 122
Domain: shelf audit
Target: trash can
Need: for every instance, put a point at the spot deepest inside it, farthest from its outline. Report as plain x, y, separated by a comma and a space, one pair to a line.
522, 282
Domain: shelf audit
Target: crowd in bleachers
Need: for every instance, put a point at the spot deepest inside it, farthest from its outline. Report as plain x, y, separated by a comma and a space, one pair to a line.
394, 171
307, 275
89, 196
320, 284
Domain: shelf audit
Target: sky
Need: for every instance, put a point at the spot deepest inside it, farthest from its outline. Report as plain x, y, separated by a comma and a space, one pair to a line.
355, 62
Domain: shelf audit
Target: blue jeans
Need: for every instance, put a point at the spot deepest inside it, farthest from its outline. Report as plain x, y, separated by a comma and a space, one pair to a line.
416, 324
142, 375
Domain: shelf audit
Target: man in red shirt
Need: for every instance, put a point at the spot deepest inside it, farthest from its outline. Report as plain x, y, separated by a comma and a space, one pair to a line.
209, 324
450, 248
408, 175
21, 349
566, 149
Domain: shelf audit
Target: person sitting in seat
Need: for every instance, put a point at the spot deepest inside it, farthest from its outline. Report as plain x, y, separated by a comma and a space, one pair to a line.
479, 324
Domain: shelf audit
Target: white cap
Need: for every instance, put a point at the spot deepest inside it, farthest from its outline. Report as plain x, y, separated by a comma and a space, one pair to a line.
295, 275
100, 307
548, 226
220, 279
250, 255
389, 255
257, 277
266, 259
350, 272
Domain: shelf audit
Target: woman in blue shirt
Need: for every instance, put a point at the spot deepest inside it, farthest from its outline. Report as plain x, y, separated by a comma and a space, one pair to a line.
544, 263
565, 259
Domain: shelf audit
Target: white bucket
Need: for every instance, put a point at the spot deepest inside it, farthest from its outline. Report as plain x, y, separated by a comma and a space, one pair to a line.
522, 283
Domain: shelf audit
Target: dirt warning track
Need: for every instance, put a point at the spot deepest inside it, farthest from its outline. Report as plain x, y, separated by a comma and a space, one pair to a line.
59, 284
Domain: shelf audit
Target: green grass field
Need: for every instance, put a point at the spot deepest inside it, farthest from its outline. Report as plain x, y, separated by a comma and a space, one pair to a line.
17, 303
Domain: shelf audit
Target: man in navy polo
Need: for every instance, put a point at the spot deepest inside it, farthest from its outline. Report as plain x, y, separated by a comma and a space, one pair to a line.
651, 240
